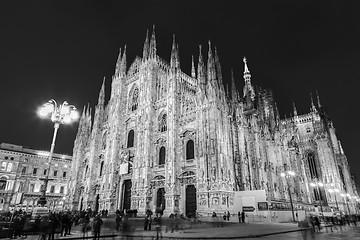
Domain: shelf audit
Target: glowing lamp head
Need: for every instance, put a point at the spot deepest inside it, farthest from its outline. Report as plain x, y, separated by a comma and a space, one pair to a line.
312, 184
343, 195
320, 184
291, 173
348, 195
282, 174
67, 119
74, 114
45, 110
330, 190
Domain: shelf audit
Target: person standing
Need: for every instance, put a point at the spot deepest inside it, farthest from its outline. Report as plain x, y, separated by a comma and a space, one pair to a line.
228, 216
97, 226
118, 220
243, 216
239, 216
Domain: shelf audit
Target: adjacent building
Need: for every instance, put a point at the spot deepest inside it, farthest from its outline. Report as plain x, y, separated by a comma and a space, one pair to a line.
21, 172
188, 143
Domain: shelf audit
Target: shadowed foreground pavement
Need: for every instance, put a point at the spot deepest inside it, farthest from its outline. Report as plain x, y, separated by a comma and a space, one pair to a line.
194, 231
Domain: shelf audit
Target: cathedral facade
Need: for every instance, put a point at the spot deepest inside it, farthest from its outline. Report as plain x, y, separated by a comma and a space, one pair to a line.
186, 143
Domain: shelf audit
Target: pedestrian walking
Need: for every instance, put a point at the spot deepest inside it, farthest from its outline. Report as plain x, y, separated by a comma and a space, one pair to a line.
97, 226
157, 221
228, 216
118, 220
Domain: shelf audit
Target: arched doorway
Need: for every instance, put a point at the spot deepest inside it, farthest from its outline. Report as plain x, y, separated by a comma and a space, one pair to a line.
190, 202
97, 203
126, 195
160, 199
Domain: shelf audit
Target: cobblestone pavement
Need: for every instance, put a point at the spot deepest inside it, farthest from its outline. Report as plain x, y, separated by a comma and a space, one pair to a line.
261, 231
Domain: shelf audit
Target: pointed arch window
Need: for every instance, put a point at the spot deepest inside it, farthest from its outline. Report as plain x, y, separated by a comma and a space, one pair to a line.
101, 168
62, 189
31, 189
312, 166
162, 153
190, 150
163, 123
135, 99
130, 142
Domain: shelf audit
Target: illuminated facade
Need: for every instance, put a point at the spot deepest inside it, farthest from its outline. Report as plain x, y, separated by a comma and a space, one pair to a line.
185, 144
21, 173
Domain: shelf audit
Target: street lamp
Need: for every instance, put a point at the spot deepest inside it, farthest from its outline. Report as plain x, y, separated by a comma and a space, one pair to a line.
335, 191
287, 175
59, 114
318, 185
345, 196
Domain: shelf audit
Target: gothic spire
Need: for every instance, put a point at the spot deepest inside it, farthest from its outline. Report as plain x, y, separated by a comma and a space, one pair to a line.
101, 99
118, 63
313, 109
193, 73
233, 86
294, 109
146, 46
211, 74
201, 68
218, 68
318, 99
248, 88
152, 50
123, 63
174, 58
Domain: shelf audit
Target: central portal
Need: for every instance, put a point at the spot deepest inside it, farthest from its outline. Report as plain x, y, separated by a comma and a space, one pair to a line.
126, 195
160, 199
190, 202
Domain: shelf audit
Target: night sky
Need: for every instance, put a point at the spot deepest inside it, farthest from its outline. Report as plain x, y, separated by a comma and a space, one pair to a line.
63, 49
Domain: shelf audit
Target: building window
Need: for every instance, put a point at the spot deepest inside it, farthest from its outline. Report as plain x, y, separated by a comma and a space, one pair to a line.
31, 188
162, 156
163, 123
9, 167
55, 173
52, 189
45, 171
101, 167
3, 181
3, 166
86, 170
308, 129
130, 142
312, 166
35, 171
190, 150
62, 189
135, 99
64, 174
23, 171
41, 188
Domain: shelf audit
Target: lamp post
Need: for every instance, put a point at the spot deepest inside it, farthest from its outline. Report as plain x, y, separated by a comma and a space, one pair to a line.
335, 191
318, 185
59, 114
345, 196
287, 175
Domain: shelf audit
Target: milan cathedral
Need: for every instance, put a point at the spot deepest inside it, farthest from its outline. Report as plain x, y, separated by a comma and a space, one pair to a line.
187, 144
